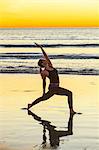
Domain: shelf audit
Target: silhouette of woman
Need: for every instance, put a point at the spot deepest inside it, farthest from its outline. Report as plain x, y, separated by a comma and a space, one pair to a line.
54, 135
50, 72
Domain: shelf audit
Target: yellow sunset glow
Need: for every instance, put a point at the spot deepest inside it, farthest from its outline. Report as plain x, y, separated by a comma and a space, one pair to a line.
49, 13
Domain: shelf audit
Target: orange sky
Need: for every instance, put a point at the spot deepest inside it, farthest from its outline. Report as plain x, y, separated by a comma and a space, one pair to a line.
49, 13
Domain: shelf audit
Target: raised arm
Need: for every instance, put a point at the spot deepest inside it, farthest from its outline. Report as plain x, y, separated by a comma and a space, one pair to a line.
45, 55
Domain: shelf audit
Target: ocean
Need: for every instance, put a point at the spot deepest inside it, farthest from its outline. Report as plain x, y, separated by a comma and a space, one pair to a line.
71, 50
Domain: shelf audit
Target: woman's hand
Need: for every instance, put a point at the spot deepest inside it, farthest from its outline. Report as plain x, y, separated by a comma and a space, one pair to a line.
45, 55
38, 45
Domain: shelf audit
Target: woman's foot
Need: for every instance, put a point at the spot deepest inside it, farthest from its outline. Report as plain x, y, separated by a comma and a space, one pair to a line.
29, 106
72, 111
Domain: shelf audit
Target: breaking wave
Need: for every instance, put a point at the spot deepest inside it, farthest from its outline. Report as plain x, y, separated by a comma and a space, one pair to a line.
51, 56
35, 70
49, 45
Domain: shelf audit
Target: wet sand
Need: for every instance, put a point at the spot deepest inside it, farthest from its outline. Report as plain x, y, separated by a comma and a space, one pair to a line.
20, 129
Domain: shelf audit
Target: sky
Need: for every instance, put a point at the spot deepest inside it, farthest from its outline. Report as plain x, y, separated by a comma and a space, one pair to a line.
49, 13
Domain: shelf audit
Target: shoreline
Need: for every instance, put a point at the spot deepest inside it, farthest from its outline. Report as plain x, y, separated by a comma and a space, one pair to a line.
67, 73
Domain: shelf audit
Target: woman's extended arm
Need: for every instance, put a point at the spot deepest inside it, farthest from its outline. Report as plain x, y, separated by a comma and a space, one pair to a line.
45, 55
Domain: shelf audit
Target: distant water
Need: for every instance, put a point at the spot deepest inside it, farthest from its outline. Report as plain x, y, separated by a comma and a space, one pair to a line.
72, 50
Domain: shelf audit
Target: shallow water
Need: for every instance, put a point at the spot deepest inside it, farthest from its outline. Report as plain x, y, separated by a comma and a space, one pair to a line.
18, 130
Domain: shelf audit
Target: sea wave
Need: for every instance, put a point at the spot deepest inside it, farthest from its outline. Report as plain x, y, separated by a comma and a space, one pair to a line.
51, 56
35, 70
49, 45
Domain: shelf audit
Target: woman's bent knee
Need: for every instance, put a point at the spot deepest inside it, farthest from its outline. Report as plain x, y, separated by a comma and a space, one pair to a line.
69, 93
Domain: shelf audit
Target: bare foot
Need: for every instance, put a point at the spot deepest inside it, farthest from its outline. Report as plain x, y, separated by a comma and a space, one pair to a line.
29, 106
72, 111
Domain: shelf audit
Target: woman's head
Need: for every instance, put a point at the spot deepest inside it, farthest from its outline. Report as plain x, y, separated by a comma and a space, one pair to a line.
42, 63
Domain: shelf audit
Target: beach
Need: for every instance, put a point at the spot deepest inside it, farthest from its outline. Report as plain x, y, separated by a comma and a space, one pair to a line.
74, 52
60, 40
20, 130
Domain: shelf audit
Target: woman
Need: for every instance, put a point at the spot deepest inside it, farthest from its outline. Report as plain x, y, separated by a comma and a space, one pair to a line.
50, 72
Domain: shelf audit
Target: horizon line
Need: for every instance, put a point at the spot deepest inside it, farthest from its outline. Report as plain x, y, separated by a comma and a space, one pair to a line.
57, 27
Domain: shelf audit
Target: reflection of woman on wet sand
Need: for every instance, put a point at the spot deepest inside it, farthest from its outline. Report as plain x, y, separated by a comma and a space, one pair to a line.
47, 70
54, 135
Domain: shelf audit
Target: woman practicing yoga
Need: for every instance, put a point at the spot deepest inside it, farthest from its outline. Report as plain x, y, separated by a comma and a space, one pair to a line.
50, 72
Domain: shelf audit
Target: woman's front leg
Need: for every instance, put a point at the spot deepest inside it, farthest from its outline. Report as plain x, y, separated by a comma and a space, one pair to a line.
46, 96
